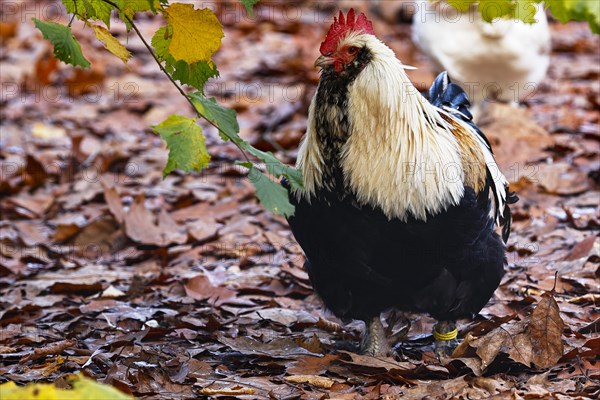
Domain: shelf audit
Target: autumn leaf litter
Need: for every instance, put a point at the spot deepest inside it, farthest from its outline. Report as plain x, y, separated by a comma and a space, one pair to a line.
184, 287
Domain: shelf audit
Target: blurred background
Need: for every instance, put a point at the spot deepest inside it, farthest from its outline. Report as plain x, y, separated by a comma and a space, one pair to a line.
95, 245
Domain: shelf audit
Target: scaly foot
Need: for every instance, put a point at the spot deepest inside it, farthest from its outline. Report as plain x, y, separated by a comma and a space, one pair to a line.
445, 334
375, 342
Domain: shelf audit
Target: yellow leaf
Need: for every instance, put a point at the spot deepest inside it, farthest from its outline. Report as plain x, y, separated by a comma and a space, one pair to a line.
48, 132
37, 391
83, 389
197, 34
111, 43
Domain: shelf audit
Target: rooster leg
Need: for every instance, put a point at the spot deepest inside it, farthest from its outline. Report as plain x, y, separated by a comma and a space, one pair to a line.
445, 334
375, 342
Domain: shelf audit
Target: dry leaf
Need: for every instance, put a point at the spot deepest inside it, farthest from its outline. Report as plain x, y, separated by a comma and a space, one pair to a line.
112, 292
113, 201
517, 139
231, 391
200, 287
545, 330
387, 363
276, 348
536, 340
140, 226
84, 81
48, 132
311, 365
318, 381
582, 249
32, 233
52, 349
8, 29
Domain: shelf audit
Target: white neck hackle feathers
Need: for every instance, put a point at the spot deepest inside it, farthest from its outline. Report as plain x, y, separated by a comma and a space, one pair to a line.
401, 154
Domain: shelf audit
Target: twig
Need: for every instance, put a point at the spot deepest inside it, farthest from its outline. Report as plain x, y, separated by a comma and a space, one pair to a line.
555, 279
73, 16
71, 20
179, 88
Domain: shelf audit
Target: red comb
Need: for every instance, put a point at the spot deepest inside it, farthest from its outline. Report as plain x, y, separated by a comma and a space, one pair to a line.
341, 27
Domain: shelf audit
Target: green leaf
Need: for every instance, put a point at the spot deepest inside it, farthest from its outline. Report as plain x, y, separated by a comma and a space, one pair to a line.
462, 5
577, 10
185, 141
128, 8
492, 9
66, 47
272, 195
524, 10
249, 4
276, 167
90, 9
160, 43
294, 177
224, 118
196, 74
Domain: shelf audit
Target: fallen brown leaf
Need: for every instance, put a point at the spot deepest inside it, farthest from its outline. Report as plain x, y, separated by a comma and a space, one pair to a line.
545, 330
389, 364
84, 81
68, 225
582, 249
113, 201
318, 381
489, 346
140, 227
516, 137
537, 340
32, 233
230, 391
52, 349
276, 348
560, 179
201, 288
311, 365
8, 29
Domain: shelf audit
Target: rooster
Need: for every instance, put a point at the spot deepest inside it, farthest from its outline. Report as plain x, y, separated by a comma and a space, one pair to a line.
400, 194
500, 61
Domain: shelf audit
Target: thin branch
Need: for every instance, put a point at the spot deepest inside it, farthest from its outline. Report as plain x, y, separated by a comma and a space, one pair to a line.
71, 21
73, 16
179, 88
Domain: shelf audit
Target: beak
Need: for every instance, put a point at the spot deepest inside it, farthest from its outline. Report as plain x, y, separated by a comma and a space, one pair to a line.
323, 61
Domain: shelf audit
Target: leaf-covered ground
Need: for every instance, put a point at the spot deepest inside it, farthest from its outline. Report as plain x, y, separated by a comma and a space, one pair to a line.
184, 287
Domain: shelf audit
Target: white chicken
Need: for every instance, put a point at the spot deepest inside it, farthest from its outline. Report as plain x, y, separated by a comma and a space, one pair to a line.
500, 61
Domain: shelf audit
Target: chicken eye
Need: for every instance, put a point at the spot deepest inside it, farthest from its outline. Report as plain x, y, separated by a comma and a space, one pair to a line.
352, 50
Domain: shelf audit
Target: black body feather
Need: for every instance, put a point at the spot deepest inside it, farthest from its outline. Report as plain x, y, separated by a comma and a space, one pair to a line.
451, 97
361, 263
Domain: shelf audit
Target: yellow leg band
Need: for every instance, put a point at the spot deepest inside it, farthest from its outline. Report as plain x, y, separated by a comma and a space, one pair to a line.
445, 336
